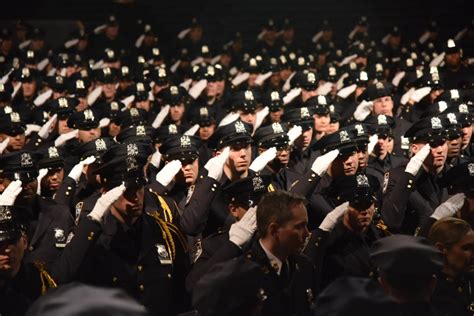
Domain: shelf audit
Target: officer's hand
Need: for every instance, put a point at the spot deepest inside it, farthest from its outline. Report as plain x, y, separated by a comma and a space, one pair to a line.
63, 138
30, 128
76, 171
169, 171
416, 161
155, 159
241, 232
10, 194
4, 144
102, 206
363, 110
263, 159
449, 207
260, 116
322, 163
332, 218
294, 133
104, 122
42, 172
229, 118
215, 165
46, 128
372, 142
192, 131
161, 116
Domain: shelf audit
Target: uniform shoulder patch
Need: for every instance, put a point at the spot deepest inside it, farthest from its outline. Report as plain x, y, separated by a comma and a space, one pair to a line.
197, 250
385, 182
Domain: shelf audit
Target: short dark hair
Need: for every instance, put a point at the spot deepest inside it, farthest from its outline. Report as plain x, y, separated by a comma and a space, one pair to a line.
276, 207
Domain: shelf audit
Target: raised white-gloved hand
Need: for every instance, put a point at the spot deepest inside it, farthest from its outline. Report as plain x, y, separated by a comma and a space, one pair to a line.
63, 138
166, 175
44, 130
229, 118
30, 128
263, 159
104, 122
372, 142
321, 164
416, 161
155, 159
363, 110
102, 206
42, 172
9, 195
331, 219
215, 165
241, 232
192, 131
160, 117
294, 133
76, 171
260, 116
449, 207
4, 144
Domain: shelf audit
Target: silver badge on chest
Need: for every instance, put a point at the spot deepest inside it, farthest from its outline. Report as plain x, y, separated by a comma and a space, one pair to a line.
163, 254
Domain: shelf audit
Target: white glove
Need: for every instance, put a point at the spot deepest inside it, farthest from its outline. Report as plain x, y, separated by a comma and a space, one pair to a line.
41, 174
63, 138
166, 175
198, 88
155, 159
372, 142
294, 133
76, 171
363, 110
331, 219
263, 159
416, 161
321, 164
9, 195
104, 122
241, 232
260, 116
215, 165
449, 207
192, 131
102, 206
44, 130
4, 144
161, 116
30, 128
229, 118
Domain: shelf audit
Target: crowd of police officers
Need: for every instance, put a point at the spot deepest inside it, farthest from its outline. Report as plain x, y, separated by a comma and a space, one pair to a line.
279, 178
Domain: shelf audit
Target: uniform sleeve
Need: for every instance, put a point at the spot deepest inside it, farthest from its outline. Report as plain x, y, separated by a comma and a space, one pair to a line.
306, 185
66, 191
315, 250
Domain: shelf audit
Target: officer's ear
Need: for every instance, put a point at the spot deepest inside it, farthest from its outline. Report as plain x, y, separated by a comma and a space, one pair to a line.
414, 148
273, 229
260, 150
441, 247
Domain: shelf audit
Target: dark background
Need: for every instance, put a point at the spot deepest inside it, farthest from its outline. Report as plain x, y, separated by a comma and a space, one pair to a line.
221, 18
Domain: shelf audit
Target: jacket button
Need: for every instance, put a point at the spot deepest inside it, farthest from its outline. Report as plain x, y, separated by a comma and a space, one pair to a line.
141, 287
169, 275
114, 279
139, 268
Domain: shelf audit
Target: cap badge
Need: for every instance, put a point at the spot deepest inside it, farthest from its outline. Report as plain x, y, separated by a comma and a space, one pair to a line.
205, 49
463, 108
240, 127
156, 51
362, 181
258, 184
248, 95
107, 71
378, 68
332, 71
88, 115
125, 70
26, 160
211, 71
277, 129
25, 72
379, 85
275, 96
140, 87
132, 152
442, 106
203, 111
185, 141
409, 62
253, 62
451, 43
140, 131
470, 168
100, 145
5, 214
452, 118
360, 129
301, 62
454, 94
382, 120
53, 152
322, 100
110, 53
141, 59
134, 112
114, 106
344, 137
363, 76
172, 129
174, 90
80, 84
304, 112
332, 109
15, 117
436, 123
162, 72
59, 80
63, 103
30, 54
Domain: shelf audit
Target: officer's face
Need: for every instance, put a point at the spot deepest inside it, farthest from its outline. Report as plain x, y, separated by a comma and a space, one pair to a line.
89, 135
28, 192
211, 89
382, 147
291, 235
359, 219
29, 88
114, 129
16, 142
206, 131
239, 158
383, 105
466, 136
283, 155
304, 140
177, 112
109, 90
129, 205
344, 165
306, 94
248, 117
145, 105
112, 31
276, 116
438, 155
459, 258
453, 60
332, 128
251, 80
11, 256
454, 147
62, 127
82, 104
189, 172
52, 180
321, 122
362, 158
